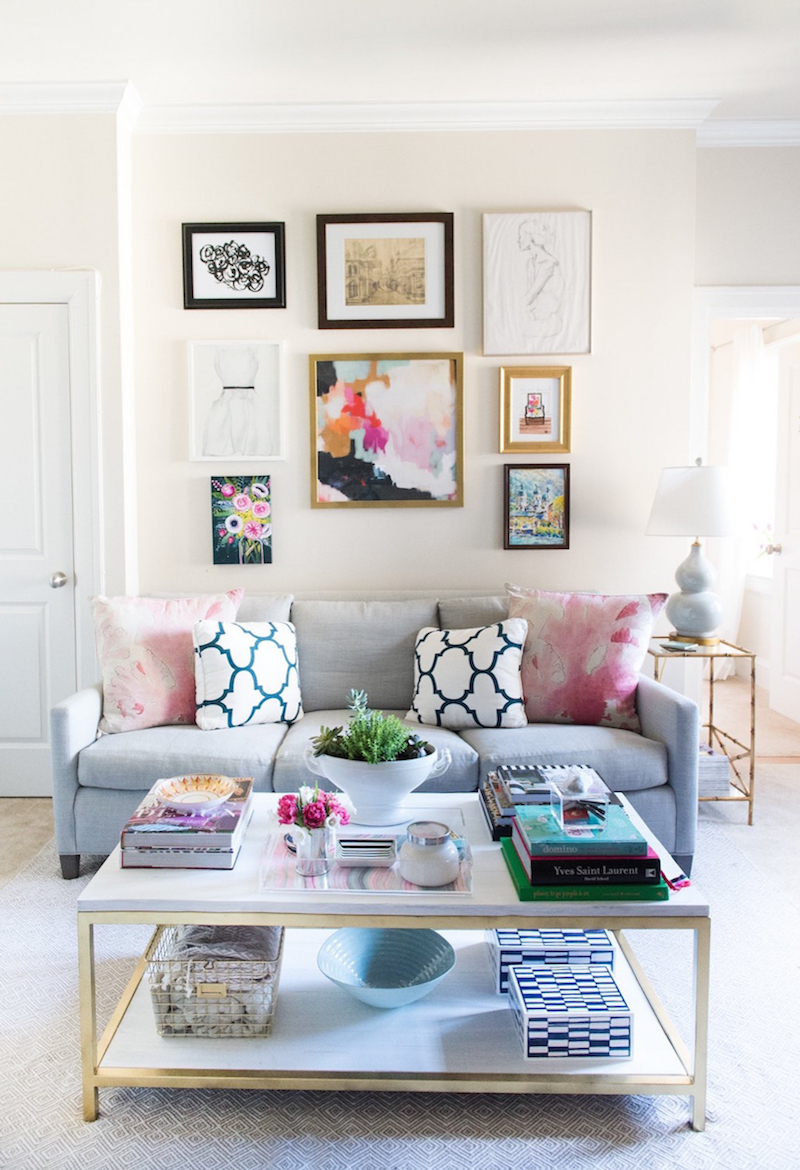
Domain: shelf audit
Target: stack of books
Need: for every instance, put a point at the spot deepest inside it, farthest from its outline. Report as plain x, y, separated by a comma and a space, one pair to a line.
159, 837
547, 863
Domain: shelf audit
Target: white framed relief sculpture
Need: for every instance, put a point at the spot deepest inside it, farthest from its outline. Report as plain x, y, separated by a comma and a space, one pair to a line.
537, 282
236, 400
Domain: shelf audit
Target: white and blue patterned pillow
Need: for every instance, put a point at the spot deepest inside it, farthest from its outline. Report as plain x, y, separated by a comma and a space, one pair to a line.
246, 673
470, 678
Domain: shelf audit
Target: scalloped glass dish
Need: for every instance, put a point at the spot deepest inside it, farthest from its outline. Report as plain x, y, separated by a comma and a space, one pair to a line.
199, 794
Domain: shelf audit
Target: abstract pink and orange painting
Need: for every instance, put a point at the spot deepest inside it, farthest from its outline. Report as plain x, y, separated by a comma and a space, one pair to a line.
387, 430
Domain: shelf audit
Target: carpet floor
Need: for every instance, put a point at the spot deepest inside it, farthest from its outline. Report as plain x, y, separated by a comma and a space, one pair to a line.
753, 1106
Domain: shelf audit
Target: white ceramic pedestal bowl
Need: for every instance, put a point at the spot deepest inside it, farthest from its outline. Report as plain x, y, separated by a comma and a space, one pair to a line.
378, 790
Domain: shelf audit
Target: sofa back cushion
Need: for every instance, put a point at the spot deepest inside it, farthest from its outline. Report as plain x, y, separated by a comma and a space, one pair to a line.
265, 607
462, 613
366, 645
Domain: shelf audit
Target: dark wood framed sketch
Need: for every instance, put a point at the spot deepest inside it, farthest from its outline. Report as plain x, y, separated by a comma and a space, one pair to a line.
390, 271
234, 266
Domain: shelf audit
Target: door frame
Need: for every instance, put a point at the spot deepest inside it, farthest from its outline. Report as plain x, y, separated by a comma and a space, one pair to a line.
79, 291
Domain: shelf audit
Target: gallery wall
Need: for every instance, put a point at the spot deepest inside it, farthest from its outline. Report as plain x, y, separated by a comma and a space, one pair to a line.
630, 394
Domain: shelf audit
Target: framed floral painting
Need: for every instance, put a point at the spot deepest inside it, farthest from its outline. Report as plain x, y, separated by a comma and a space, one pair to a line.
241, 519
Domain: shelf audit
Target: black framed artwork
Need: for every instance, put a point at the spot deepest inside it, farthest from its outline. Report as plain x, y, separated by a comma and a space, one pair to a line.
234, 266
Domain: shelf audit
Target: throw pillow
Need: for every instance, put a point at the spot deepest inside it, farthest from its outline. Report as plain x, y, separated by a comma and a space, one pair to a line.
469, 678
583, 654
144, 646
246, 673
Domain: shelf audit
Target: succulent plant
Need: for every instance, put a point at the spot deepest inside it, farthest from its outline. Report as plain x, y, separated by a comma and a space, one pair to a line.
370, 736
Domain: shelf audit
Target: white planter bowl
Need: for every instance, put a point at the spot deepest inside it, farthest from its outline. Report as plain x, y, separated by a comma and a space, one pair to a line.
378, 790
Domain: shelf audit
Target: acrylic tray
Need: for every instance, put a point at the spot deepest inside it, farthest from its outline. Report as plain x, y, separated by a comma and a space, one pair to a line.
277, 870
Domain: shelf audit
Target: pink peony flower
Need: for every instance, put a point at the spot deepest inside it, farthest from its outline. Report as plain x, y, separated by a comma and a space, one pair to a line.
228, 489
338, 810
261, 509
314, 814
287, 809
242, 503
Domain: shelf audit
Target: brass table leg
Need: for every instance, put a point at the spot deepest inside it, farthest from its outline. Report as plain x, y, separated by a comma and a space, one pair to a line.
702, 954
88, 1016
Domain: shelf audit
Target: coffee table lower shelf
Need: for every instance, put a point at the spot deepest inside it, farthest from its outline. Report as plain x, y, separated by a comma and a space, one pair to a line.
459, 1038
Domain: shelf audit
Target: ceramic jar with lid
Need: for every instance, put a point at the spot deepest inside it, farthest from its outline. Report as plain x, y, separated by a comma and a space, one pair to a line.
429, 855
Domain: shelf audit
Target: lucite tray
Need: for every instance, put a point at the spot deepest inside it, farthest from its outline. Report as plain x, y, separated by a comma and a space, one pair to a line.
277, 870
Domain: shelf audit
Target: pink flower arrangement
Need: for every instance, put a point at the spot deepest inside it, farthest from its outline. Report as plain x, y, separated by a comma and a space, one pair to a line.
310, 808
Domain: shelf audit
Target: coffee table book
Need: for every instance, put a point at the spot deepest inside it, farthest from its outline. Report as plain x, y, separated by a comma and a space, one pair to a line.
544, 838
588, 892
597, 869
153, 824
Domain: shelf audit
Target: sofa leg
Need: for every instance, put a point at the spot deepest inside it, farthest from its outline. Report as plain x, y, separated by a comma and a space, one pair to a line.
70, 864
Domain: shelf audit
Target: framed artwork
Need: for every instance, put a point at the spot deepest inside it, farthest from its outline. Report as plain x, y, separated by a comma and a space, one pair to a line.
537, 282
535, 408
234, 266
241, 519
386, 430
236, 400
385, 271
536, 505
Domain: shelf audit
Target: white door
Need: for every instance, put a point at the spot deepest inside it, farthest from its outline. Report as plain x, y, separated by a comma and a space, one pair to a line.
784, 687
37, 620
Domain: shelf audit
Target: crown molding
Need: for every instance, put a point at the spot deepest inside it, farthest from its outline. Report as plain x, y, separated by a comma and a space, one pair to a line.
358, 117
752, 132
92, 97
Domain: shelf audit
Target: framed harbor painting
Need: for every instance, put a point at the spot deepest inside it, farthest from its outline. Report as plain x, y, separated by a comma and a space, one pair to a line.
535, 409
386, 430
537, 282
385, 271
234, 266
536, 505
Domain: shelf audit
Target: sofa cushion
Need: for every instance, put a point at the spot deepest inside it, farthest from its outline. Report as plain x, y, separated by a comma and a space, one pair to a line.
627, 761
469, 678
461, 613
144, 647
361, 645
583, 654
265, 607
136, 759
290, 769
245, 673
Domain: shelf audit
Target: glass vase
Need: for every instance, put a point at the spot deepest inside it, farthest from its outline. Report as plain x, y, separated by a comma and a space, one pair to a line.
313, 850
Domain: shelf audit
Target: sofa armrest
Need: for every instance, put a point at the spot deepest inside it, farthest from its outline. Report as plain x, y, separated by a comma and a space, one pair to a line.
73, 726
672, 719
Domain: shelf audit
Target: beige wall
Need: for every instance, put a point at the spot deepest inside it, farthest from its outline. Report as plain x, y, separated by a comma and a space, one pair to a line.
630, 395
748, 228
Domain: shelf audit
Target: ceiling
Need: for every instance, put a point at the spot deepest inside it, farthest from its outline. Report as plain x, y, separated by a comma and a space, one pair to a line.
744, 55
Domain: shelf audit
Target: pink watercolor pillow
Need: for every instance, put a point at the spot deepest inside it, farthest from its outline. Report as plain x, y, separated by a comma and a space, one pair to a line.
583, 654
146, 654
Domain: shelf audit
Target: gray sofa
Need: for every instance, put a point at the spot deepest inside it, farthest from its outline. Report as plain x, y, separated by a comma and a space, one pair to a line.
367, 644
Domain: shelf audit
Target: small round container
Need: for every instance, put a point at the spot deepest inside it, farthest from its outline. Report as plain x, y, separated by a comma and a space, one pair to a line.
429, 855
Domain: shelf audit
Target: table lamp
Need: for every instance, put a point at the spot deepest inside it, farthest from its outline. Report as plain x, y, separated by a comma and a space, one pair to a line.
693, 501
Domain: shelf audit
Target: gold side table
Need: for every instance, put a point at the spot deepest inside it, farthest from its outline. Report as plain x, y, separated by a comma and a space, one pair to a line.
742, 757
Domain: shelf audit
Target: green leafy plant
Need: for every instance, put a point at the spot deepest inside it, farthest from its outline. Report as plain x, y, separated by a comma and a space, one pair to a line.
370, 736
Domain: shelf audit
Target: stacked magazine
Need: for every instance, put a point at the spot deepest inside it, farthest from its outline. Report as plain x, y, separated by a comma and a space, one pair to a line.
160, 837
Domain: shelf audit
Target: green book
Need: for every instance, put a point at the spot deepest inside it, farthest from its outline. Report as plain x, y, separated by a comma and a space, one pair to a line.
586, 893
544, 838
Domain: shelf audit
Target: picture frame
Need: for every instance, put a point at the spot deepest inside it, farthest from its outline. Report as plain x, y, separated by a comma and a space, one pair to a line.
386, 430
537, 282
241, 519
236, 401
537, 505
234, 266
535, 409
385, 271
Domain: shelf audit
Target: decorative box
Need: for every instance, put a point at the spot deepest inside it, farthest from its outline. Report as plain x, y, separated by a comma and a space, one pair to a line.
550, 947
578, 797
214, 980
569, 1011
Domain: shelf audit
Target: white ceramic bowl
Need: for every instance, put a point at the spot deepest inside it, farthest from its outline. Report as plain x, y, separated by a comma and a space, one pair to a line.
386, 968
195, 794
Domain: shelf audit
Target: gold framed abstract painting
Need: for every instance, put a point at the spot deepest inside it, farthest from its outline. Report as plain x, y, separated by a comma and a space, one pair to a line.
386, 430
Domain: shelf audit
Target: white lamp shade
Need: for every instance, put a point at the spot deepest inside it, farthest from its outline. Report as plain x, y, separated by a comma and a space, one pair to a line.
693, 501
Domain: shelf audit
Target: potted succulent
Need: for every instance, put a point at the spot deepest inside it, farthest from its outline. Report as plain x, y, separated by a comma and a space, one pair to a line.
377, 760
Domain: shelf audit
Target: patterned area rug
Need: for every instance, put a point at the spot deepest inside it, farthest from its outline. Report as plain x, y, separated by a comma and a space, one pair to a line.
754, 1097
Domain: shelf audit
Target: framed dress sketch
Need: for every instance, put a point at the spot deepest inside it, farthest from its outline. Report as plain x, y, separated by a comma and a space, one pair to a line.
236, 400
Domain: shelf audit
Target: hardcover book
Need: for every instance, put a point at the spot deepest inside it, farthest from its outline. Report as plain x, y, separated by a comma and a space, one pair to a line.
544, 838
589, 892
152, 857
154, 824
598, 869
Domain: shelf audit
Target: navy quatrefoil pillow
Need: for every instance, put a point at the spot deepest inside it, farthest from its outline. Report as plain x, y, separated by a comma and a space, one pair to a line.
245, 673
470, 678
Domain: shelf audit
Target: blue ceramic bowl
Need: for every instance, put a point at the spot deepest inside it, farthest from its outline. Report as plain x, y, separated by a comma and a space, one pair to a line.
386, 968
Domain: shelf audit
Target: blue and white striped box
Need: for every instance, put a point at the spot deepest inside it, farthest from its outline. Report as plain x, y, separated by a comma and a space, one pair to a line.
551, 947
569, 1011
